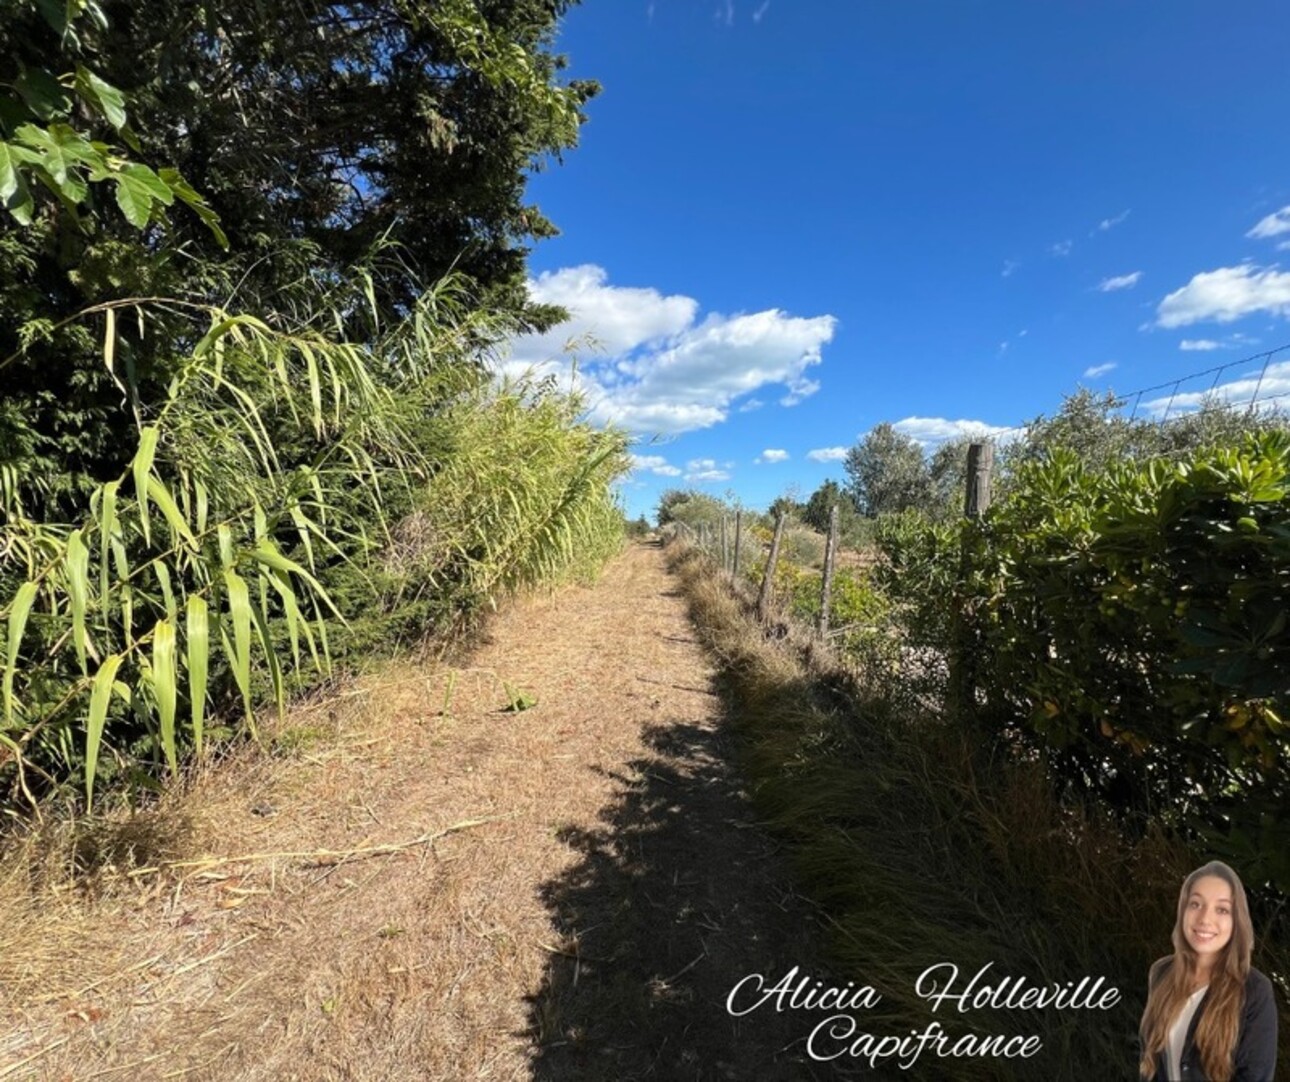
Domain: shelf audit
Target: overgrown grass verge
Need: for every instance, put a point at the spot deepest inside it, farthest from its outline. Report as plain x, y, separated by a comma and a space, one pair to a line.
75, 885
923, 848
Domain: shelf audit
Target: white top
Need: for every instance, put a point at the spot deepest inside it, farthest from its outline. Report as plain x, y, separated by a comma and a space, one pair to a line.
1178, 1034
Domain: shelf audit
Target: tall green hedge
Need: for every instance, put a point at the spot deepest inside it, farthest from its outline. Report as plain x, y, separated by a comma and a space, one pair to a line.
1131, 625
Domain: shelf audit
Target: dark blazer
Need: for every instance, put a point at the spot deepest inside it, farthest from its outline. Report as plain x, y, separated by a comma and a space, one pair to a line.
1256, 1040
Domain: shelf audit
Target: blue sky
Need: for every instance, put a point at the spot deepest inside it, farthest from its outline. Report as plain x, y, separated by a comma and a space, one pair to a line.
787, 221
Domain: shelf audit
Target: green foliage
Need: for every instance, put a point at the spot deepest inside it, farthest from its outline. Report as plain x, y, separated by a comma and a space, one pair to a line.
1097, 431
278, 489
1136, 619
523, 499
918, 573
393, 133
854, 531
691, 507
43, 143
887, 472
1131, 623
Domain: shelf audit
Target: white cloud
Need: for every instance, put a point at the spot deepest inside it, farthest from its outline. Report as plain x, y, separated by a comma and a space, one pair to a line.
1123, 281
828, 454
1256, 386
664, 371
1226, 294
1061, 248
773, 454
1098, 370
1009, 268
1273, 225
933, 430
1107, 224
751, 404
618, 318
799, 389
655, 464
705, 469
1199, 345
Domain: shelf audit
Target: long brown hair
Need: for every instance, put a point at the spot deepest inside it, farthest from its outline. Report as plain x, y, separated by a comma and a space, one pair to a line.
1172, 979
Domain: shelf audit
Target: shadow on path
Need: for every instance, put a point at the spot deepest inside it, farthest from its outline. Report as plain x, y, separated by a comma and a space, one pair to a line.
677, 896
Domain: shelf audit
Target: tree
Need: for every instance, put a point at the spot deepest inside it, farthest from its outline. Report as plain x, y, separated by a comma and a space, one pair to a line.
947, 473
690, 506
887, 472
783, 505
318, 132
1096, 429
816, 512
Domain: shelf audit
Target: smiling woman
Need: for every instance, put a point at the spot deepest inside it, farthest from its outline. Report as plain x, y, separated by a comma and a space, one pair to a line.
1210, 1015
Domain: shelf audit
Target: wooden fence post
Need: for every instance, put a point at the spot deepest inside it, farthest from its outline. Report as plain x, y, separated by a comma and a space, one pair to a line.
980, 464
826, 586
763, 598
739, 537
963, 658
725, 545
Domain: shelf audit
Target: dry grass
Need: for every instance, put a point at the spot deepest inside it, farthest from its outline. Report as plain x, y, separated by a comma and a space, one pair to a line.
415, 882
922, 848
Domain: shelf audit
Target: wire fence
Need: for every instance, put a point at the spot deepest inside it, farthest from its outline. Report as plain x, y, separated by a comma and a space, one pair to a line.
1259, 384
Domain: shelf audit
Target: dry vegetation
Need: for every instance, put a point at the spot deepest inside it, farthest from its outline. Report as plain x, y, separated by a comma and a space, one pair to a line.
921, 849
416, 882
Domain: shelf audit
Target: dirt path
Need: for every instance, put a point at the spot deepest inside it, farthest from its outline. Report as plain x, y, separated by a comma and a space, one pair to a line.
589, 928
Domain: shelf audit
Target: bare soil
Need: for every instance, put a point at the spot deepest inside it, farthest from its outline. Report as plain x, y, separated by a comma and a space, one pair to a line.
419, 883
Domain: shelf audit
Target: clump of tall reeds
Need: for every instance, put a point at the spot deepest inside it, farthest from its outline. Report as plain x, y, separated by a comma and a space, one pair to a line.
288, 485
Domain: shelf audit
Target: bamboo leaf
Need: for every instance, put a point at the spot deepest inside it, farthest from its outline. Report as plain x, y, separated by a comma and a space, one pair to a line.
109, 341
107, 525
198, 636
160, 495
162, 572
165, 680
18, 612
239, 605
142, 467
226, 326
77, 565
271, 655
100, 695
203, 506
269, 554
225, 537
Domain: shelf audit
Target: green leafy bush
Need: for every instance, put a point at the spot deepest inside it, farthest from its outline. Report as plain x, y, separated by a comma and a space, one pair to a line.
1131, 623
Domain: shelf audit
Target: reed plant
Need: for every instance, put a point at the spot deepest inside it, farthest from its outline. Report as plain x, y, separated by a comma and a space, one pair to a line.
271, 498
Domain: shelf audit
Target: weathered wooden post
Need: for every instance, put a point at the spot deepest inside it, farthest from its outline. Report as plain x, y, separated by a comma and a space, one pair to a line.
739, 538
976, 501
826, 586
725, 545
763, 598
980, 464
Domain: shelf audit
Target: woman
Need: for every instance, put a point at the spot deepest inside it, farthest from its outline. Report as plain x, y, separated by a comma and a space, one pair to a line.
1210, 1017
